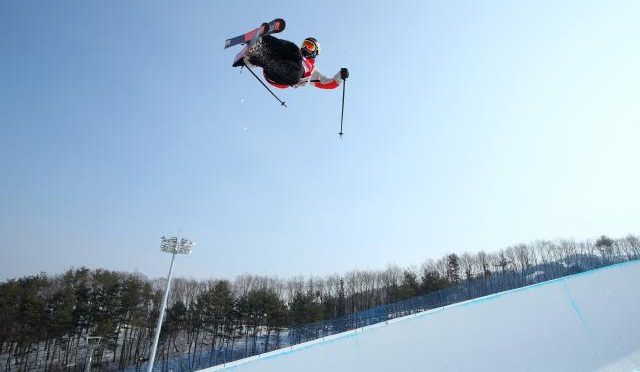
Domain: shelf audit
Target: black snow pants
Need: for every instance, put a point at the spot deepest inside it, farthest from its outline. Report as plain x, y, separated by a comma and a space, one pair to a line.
280, 60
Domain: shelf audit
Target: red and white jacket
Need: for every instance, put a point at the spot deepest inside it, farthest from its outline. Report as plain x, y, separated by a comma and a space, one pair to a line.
312, 75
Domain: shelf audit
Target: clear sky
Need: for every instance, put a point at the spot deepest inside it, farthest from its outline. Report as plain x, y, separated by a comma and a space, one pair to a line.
468, 125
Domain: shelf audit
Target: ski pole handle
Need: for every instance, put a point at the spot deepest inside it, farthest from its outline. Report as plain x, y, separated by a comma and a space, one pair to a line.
344, 73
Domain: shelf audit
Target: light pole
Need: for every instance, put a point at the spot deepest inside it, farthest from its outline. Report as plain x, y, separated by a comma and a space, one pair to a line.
169, 245
92, 343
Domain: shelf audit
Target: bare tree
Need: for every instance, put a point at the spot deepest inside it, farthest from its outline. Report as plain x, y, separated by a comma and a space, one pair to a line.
483, 262
631, 247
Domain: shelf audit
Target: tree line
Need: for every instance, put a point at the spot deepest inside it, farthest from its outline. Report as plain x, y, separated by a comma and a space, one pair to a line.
44, 320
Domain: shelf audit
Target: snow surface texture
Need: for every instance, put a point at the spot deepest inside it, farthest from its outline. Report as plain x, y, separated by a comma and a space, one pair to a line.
585, 322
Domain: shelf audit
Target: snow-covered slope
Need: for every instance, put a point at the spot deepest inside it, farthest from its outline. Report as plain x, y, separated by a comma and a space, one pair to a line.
586, 322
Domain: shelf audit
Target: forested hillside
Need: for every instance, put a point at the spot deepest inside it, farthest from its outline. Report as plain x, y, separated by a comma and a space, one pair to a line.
45, 319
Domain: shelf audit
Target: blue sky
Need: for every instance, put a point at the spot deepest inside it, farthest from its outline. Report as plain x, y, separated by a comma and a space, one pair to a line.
468, 125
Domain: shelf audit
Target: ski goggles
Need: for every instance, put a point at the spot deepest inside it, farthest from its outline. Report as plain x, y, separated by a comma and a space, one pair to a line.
309, 45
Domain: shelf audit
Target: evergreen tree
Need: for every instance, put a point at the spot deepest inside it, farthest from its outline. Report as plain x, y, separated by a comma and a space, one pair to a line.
432, 281
342, 302
453, 269
409, 286
604, 244
305, 307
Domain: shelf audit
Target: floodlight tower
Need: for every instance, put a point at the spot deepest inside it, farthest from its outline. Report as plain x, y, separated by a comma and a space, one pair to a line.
92, 343
169, 245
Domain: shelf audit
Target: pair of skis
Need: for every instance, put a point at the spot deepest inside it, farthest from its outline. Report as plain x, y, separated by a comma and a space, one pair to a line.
250, 38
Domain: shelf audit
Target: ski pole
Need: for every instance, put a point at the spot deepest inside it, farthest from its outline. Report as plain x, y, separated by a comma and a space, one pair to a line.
344, 73
344, 86
264, 85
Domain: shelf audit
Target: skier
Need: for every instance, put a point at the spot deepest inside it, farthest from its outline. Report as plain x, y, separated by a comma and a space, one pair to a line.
285, 65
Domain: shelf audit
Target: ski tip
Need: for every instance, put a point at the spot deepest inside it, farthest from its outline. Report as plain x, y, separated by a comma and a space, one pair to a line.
280, 24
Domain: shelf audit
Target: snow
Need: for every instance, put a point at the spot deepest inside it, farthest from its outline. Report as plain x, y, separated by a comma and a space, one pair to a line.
585, 322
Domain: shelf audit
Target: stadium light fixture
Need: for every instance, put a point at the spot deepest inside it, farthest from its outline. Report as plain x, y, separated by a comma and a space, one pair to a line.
174, 246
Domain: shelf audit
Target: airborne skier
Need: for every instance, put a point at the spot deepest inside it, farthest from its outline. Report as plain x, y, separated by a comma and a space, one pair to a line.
284, 64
